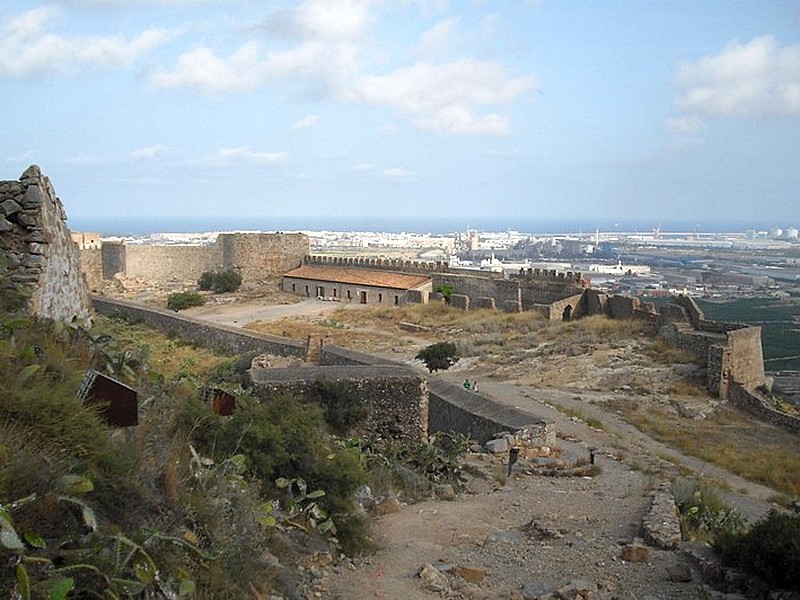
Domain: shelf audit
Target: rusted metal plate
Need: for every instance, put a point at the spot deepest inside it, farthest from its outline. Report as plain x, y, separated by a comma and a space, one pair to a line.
222, 402
116, 403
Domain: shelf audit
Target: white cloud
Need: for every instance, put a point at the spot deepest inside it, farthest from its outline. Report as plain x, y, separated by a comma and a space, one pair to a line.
244, 155
754, 78
459, 97
363, 167
310, 120
27, 47
686, 125
437, 40
148, 153
396, 173
447, 98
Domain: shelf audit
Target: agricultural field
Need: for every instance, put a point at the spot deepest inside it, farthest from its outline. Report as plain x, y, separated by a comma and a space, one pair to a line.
779, 320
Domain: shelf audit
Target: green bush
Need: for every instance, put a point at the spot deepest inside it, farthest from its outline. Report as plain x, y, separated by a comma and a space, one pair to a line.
446, 290
770, 550
439, 356
182, 300
282, 438
220, 281
342, 411
703, 514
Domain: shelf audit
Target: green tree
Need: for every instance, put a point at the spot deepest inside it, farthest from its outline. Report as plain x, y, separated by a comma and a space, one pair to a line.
219, 282
439, 356
446, 290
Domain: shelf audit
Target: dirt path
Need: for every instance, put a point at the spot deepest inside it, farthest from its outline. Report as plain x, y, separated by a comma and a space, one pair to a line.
528, 532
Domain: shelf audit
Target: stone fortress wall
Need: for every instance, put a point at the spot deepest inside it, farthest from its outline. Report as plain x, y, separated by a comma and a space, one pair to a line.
38, 251
255, 256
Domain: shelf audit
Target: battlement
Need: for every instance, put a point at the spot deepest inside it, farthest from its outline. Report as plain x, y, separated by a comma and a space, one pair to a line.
383, 264
550, 275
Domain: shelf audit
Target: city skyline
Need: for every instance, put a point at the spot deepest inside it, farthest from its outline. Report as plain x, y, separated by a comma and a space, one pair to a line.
679, 111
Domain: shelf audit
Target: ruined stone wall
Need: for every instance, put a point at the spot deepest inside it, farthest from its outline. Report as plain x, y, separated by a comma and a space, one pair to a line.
254, 255
215, 337
38, 248
480, 286
556, 308
450, 407
754, 403
92, 267
170, 263
533, 291
259, 255
732, 351
746, 357
396, 397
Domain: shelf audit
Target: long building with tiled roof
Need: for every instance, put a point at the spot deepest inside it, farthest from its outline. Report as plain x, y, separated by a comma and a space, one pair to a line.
364, 286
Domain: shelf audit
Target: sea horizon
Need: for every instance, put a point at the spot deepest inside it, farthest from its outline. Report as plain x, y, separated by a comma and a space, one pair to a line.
141, 226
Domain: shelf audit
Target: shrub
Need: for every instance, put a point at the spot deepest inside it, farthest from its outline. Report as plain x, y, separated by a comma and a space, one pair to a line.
206, 281
282, 438
182, 300
342, 410
446, 290
439, 356
220, 281
769, 550
703, 514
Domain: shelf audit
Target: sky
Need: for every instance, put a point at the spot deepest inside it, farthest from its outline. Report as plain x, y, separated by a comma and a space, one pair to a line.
261, 110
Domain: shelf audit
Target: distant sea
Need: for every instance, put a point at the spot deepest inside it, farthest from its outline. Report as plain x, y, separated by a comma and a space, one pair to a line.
137, 226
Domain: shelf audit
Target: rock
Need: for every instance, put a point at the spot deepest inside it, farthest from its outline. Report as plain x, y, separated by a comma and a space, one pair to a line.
537, 590
497, 446
433, 579
445, 491
635, 552
10, 207
471, 574
578, 589
5, 224
32, 198
679, 573
387, 505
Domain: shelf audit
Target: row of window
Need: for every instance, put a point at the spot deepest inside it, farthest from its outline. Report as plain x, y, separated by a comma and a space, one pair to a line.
362, 294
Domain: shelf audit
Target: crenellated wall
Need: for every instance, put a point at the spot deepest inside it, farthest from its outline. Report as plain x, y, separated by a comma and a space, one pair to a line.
38, 249
381, 264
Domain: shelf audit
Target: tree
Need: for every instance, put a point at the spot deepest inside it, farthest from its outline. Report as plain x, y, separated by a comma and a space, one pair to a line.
220, 281
446, 291
439, 356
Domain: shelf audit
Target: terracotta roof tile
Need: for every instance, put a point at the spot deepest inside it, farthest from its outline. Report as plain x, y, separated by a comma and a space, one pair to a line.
356, 276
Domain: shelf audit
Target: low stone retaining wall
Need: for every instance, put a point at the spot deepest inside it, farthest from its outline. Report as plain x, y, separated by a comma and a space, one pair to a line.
756, 405
396, 397
336, 355
453, 408
661, 525
212, 336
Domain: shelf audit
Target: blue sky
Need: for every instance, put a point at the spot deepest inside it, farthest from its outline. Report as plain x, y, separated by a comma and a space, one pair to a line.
538, 109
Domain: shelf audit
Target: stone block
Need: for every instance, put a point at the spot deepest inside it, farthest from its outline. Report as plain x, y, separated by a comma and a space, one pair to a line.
636, 551
459, 301
471, 574
32, 198
497, 446
10, 207
485, 302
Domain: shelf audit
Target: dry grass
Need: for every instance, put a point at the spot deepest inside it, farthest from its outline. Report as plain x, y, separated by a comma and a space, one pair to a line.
729, 439
169, 357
